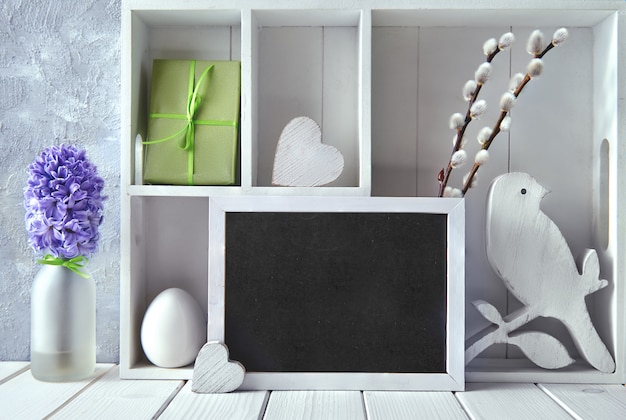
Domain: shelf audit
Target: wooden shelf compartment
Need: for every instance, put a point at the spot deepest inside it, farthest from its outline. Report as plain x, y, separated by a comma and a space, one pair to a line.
566, 131
310, 63
171, 34
386, 107
294, 63
169, 249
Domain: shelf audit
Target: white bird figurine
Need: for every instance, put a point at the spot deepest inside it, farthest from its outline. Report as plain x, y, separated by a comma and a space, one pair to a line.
529, 253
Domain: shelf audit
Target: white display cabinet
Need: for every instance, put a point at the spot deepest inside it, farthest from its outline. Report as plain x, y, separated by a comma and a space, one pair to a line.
382, 78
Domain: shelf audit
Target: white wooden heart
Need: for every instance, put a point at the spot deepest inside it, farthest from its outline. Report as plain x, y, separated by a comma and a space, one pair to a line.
302, 160
214, 373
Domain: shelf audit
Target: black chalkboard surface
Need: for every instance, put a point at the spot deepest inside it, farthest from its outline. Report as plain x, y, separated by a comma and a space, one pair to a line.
342, 293
336, 292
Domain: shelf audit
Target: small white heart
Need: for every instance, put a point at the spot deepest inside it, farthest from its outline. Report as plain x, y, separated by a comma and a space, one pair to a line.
302, 160
214, 373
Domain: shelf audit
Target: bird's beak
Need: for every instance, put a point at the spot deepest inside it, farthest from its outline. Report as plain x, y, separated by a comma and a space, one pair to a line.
544, 191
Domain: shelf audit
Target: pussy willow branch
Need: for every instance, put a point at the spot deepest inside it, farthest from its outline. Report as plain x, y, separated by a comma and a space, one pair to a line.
445, 174
496, 128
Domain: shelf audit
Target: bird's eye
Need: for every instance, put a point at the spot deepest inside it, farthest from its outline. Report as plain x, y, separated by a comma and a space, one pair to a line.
523, 191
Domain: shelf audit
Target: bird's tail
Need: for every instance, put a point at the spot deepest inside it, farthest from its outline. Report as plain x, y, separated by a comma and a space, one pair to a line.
591, 271
579, 323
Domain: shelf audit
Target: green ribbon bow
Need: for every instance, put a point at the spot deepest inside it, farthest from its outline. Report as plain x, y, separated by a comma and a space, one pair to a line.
75, 264
193, 103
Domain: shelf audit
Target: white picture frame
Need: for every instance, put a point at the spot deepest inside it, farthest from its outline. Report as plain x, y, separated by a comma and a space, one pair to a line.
453, 379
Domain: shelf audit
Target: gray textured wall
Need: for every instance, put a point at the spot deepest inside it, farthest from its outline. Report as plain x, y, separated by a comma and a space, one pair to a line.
59, 83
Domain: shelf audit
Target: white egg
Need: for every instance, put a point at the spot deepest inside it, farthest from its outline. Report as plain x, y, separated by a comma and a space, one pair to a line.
173, 329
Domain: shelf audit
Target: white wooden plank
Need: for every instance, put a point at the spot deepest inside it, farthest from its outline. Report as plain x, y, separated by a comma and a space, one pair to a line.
584, 401
394, 111
524, 371
412, 406
24, 397
235, 43
308, 17
111, 397
365, 101
509, 401
475, 14
134, 87
608, 135
199, 43
249, 42
340, 99
314, 405
10, 369
169, 263
290, 85
233, 406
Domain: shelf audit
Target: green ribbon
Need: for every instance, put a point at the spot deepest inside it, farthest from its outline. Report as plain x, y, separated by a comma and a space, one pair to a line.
193, 103
75, 264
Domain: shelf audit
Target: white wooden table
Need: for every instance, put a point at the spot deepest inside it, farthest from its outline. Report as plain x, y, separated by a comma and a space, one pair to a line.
105, 396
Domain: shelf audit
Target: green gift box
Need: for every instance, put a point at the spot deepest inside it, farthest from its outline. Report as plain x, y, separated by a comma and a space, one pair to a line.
193, 123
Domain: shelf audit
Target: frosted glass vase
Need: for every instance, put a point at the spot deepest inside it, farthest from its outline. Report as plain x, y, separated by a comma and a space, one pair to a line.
63, 325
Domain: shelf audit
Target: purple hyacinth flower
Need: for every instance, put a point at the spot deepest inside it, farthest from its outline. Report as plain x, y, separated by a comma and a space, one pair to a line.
63, 203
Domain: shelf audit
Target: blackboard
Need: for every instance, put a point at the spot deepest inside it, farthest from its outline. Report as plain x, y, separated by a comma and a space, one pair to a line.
335, 286
336, 292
